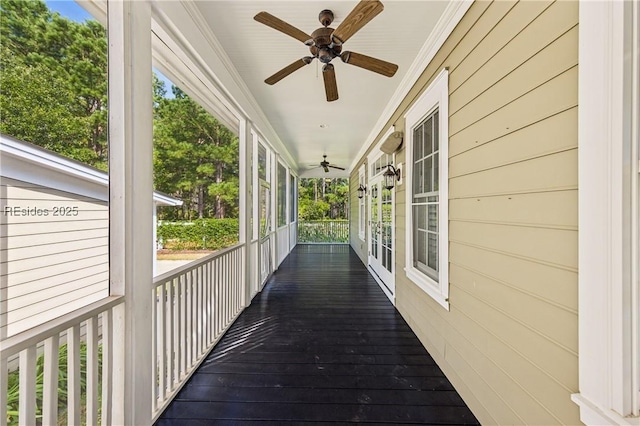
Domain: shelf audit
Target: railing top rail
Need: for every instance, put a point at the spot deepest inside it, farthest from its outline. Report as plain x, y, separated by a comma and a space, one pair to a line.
14, 344
174, 273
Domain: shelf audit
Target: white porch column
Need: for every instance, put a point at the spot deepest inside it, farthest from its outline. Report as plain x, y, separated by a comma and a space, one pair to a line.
609, 353
131, 206
246, 205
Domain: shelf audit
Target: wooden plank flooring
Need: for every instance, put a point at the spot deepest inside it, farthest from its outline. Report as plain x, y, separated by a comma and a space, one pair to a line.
321, 343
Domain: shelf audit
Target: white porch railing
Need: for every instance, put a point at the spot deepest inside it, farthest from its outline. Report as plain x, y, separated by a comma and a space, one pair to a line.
36, 380
193, 307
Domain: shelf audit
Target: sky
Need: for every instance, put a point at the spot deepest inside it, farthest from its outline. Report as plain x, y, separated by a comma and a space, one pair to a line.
72, 10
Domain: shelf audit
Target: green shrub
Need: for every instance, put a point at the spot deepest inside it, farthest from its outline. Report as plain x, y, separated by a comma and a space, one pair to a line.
200, 234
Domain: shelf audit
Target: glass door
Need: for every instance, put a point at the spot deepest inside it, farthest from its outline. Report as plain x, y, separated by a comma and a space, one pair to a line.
381, 233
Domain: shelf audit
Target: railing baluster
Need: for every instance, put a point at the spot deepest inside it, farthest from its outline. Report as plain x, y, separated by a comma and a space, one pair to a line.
155, 371
50, 383
73, 375
161, 347
92, 371
169, 335
183, 326
194, 305
175, 284
27, 410
67, 332
107, 366
200, 312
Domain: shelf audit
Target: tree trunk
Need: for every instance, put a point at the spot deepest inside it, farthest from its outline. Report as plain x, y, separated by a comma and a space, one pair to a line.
200, 202
219, 202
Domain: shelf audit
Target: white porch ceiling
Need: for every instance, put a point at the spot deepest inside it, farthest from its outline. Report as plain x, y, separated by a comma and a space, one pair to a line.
296, 106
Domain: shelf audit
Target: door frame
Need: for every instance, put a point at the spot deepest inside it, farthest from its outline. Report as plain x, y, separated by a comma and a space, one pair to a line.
389, 288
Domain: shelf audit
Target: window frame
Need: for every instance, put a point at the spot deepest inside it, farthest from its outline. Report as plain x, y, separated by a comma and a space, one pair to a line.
436, 96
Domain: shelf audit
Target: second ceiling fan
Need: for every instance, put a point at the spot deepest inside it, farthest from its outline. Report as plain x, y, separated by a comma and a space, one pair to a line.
325, 44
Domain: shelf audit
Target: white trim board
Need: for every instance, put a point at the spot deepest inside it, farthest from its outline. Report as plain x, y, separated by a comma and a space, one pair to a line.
608, 282
26, 162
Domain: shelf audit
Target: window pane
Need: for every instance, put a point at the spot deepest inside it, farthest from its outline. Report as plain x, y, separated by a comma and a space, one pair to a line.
433, 251
420, 250
417, 144
428, 174
436, 132
436, 172
420, 216
433, 217
417, 177
428, 136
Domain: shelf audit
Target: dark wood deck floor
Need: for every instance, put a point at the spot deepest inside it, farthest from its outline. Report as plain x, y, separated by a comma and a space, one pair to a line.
321, 343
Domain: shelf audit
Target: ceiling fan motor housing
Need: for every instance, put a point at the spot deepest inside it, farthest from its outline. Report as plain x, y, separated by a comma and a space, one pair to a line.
324, 48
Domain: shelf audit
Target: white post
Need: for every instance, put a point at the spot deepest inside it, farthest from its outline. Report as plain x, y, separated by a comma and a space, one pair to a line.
130, 207
246, 205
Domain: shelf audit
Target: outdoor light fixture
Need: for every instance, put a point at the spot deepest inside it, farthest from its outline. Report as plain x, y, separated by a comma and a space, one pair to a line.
361, 191
390, 176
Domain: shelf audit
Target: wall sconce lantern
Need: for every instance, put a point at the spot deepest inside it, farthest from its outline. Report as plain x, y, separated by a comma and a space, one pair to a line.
361, 191
390, 176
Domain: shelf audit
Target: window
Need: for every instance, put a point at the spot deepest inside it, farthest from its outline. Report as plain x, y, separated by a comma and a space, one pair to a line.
361, 205
427, 210
282, 195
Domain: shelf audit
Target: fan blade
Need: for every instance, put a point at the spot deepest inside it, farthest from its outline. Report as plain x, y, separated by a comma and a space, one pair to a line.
336, 167
278, 24
367, 62
330, 85
326, 170
289, 69
364, 12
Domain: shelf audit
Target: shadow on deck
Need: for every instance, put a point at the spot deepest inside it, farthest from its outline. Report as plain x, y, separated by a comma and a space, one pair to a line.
321, 343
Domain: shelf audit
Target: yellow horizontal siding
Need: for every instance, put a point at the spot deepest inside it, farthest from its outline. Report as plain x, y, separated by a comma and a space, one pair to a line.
549, 173
509, 341
518, 209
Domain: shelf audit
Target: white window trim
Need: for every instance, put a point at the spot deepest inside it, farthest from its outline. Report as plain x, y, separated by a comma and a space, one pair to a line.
435, 96
362, 206
609, 359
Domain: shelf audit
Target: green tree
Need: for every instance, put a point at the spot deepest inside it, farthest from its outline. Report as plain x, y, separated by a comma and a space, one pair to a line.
195, 157
323, 198
53, 74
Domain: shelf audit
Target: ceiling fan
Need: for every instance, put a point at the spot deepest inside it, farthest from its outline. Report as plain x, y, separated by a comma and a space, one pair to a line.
326, 44
325, 165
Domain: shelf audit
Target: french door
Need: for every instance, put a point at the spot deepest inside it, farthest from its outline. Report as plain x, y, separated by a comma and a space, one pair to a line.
381, 235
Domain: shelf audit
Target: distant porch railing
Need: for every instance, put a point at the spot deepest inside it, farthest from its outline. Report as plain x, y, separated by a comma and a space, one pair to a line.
323, 231
194, 305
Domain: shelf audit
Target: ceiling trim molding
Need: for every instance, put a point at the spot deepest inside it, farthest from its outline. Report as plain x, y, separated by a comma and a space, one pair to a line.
450, 18
215, 45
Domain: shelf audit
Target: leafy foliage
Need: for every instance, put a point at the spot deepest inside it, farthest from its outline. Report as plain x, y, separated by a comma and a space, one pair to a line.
53, 74
195, 158
322, 198
13, 385
200, 234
